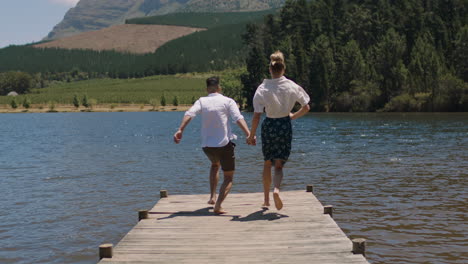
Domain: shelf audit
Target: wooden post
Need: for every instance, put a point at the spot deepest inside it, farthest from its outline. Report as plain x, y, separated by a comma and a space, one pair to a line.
359, 246
163, 193
143, 214
310, 188
105, 251
328, 209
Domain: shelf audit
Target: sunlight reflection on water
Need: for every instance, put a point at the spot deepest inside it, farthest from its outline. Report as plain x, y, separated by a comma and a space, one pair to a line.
70, 182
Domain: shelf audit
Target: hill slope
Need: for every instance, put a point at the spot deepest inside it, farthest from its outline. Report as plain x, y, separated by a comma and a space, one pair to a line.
122, 38
89, 15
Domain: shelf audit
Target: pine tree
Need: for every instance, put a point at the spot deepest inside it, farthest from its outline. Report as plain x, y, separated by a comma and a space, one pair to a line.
460, 54
323, 71
76, 101
85, 101
425, 67
257, 64
26, 102
387, 57
13, 103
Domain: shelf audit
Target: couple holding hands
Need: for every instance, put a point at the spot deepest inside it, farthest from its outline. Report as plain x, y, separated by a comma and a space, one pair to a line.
276, 97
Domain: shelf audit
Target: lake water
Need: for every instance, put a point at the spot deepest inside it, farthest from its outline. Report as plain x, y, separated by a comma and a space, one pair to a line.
72, 181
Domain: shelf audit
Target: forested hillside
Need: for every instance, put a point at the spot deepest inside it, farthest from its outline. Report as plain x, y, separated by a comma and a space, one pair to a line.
217, 48
365, 55
201, 20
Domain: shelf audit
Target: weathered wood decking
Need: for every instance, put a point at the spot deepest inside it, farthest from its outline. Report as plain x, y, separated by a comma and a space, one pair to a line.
183, 229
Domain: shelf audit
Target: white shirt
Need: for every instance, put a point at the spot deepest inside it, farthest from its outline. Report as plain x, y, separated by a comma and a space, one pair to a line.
215, 110
278, 96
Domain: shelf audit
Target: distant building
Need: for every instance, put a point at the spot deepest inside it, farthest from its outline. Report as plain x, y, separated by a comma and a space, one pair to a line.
12, 93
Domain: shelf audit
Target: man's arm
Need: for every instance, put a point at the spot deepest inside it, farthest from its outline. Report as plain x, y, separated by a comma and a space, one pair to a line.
252, 139
189, 115
304, 110
178, 135
238, 118
243, 125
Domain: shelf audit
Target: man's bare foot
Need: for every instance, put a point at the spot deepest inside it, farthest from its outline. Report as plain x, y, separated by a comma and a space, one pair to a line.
211, 201
278, 202
266, 205
219, 211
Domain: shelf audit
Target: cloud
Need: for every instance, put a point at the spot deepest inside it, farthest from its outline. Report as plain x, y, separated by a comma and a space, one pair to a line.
65, 2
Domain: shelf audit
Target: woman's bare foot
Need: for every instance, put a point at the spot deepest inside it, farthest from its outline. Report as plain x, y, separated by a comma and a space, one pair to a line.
211, 201
219, 211
266, 205
278, 202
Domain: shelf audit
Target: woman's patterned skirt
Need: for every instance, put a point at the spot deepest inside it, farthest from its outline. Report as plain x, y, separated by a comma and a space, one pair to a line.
276, 138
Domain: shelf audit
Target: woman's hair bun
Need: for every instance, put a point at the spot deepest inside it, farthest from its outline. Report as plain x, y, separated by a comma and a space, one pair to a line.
277, 57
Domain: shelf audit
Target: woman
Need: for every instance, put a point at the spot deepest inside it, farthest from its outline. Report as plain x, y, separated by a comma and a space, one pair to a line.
277, 96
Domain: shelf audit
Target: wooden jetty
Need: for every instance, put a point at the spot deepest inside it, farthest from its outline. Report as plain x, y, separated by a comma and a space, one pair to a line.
184, 229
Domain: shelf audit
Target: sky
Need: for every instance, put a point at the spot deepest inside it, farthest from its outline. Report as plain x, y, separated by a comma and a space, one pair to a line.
26, 21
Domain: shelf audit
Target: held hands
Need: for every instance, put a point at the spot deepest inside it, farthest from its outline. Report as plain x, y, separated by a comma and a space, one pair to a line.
252, 140
178, 136
292, 116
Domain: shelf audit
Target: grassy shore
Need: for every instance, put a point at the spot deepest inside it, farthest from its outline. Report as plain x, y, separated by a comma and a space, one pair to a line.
64, 108
129, 95
148, 90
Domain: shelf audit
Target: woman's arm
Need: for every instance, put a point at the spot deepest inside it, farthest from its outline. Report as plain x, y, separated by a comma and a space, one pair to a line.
252, 139
304, 110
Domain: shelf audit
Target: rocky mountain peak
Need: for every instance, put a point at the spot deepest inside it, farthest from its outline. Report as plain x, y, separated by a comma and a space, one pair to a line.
89, 15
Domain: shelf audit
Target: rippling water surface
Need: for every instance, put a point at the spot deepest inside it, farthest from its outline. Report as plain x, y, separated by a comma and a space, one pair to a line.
69, 182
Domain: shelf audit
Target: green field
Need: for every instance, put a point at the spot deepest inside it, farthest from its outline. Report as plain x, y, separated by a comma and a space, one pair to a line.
132, 91
139, 91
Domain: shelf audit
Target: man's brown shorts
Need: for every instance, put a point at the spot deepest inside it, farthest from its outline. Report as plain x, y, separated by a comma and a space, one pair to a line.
223, 155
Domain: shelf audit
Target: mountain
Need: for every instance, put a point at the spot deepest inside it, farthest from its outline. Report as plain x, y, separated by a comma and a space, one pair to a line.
90, 15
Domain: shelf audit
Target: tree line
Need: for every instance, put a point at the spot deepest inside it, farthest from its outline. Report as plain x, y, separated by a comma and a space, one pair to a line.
19, 82
365, 55
211, 50
218, 48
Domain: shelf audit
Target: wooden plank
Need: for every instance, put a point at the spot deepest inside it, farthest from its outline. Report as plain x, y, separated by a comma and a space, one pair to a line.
184, 229
226, 258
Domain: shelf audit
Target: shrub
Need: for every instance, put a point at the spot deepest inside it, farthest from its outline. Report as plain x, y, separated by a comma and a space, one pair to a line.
26, 102
361, 98
76, 101
407, 103
51, 106
154, 103
92, 103
13, 103
175, 101
453, 95
85, 101
163, 100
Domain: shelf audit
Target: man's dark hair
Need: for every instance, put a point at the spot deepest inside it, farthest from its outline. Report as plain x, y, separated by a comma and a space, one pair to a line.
212, 82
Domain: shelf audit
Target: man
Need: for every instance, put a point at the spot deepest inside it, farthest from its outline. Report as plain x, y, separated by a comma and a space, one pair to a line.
215, 110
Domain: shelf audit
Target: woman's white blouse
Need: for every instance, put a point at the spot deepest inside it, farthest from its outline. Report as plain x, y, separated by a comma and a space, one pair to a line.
278, 97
